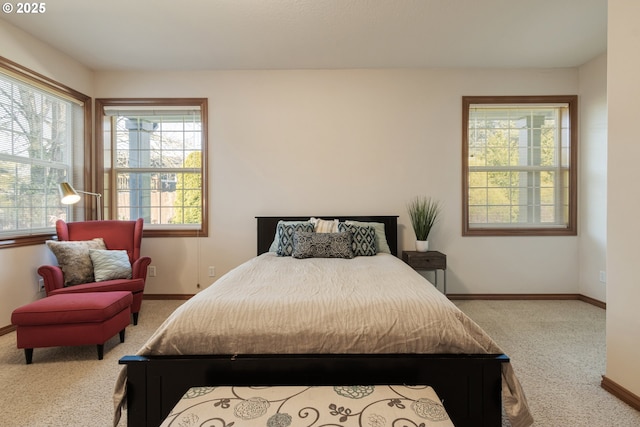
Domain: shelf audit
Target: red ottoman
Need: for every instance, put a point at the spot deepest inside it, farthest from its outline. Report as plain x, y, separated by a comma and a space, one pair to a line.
72, 319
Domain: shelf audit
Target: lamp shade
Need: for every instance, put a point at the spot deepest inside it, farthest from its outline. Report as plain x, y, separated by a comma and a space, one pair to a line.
68, 195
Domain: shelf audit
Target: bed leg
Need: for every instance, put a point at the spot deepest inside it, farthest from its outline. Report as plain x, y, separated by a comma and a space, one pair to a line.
136, 390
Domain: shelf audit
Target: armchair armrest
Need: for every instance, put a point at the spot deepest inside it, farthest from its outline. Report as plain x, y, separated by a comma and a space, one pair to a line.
139, 268
52, 276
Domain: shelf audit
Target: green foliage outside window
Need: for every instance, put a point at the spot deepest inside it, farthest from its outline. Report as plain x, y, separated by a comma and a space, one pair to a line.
188, 192
512, 166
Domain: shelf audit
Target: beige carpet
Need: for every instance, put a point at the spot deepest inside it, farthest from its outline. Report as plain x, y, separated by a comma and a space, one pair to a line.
556, 347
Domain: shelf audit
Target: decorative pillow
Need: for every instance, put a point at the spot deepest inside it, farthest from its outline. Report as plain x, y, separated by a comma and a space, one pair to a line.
276, 239
285, 233
322, 245
363, 238
324, 226
74, 260
109, 265
381, 237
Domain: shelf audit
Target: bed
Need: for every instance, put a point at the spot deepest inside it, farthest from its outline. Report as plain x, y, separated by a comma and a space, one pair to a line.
240, 331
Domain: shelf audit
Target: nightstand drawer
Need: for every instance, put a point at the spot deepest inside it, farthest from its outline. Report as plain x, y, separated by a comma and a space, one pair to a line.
431, 260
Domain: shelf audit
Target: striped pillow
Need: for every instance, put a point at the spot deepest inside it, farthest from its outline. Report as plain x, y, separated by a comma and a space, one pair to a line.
324, 226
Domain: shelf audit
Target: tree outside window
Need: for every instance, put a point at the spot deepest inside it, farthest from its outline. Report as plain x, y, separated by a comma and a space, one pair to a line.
43, 128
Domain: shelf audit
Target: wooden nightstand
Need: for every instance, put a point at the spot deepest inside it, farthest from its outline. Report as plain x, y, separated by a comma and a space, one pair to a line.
430, 260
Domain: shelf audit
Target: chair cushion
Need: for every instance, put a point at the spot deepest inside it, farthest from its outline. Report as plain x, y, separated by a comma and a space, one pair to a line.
131, 285
109, 265
72, 308
74, 260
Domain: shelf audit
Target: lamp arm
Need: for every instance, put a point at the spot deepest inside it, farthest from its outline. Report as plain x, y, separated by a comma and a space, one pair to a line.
89, 193
98, 202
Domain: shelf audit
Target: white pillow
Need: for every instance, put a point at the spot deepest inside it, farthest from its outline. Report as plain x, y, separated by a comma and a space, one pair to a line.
324, 225
109, 265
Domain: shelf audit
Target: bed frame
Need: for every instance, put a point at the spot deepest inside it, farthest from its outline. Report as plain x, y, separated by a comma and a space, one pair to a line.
469, 385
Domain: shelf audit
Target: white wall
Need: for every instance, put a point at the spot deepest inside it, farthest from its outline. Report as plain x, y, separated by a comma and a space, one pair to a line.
347, 142
592, 197
36, 55
623, 251
18, 277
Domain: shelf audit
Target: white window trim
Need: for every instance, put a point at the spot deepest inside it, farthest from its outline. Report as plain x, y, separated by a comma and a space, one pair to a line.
78, 165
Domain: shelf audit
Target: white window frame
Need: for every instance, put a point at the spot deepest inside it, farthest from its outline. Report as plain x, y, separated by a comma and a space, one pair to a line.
70, 166
565, 170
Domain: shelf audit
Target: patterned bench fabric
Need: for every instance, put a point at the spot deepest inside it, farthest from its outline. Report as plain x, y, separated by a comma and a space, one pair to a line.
366, 406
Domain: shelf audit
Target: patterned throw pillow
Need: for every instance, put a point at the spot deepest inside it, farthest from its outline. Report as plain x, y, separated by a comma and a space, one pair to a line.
109, 265
276, 239
381, 237
364, 238
285, 232
74, 260
322, 245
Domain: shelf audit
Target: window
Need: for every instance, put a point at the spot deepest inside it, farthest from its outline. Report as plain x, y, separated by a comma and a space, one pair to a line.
43, 128
519, 158
155, 163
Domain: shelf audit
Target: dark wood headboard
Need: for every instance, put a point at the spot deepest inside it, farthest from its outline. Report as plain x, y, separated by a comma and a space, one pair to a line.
267, 228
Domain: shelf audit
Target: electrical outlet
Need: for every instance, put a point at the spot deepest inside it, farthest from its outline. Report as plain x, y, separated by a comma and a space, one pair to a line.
603, 276
40, 285
212, 271
152, 271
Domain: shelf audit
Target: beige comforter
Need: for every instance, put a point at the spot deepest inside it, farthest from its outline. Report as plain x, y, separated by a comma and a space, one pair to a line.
278, 305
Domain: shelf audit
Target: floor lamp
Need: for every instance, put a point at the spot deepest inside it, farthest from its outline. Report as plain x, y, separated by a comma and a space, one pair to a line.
69, 196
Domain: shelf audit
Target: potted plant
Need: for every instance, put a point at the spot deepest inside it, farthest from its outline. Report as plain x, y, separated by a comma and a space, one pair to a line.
423, 213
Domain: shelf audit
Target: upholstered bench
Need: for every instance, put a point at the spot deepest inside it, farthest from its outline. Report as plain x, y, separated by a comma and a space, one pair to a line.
373, 405
72, 319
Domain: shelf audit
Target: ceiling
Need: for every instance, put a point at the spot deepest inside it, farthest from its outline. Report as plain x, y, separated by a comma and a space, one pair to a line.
320, 34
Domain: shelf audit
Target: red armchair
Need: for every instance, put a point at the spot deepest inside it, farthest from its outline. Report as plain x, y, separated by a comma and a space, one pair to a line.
117, 235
